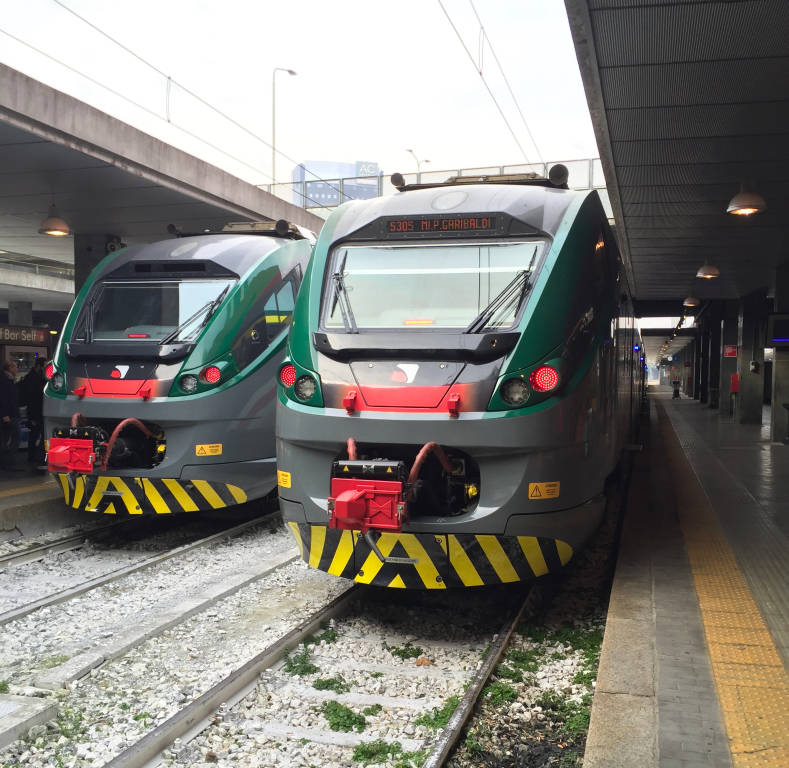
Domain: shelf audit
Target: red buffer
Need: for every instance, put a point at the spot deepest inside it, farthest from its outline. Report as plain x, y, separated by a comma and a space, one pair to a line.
361, 505
70, 454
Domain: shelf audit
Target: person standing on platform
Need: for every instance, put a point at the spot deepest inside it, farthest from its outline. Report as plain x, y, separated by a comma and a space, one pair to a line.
32, 395
9, 415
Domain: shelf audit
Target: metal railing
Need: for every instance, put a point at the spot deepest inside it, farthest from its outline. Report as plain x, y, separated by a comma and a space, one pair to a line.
321, 196
46, 269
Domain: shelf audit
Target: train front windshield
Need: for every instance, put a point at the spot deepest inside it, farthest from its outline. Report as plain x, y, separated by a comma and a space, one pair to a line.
150, 310
442, 286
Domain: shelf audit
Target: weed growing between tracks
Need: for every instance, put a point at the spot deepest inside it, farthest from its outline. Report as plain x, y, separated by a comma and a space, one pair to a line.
535, 711
404, 652
438, 717
336, 684
342, 718
380, 751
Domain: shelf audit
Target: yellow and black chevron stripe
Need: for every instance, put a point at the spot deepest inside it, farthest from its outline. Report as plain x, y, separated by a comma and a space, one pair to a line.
442, 561
147, 496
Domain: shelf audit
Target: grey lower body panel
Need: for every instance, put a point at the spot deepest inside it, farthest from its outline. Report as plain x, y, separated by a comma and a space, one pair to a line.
540, 495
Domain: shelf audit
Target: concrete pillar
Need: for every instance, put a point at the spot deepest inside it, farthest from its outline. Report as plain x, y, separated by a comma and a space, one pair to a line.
714, 353
89, 250
729, 331
704, 359
750, 355
697, 367
780, 417
20, 313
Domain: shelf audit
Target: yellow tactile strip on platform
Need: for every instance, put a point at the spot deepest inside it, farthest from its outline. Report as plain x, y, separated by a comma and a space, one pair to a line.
751, 681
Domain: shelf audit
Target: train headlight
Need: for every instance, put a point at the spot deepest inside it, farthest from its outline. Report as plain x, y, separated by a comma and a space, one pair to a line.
515, 391
544, 379
49, 371
304, 388
188, 383
58, 382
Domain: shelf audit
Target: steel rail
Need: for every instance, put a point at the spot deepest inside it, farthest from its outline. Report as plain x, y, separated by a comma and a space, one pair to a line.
86, 586
450, 735
60, 545
196, 716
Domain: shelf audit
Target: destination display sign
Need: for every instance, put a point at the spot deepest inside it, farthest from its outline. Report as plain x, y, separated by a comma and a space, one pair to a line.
412, 224
431, 226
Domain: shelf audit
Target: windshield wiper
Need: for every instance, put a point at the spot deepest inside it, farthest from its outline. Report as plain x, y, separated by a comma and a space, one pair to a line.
341, 298
207, 308
214, 304
513, 293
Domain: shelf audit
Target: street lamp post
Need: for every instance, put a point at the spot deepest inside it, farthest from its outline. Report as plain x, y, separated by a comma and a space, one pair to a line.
418, 161
274, 120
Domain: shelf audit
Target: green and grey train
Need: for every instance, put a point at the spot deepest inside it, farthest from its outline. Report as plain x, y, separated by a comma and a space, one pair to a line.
161, 393
463, 375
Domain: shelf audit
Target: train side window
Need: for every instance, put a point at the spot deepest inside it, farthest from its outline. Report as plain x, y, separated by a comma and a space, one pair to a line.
267, 318
282, 309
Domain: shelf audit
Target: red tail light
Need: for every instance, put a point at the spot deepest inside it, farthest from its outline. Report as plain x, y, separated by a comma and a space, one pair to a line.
49, 371
544, 379
212, 374
287, 375
137, 335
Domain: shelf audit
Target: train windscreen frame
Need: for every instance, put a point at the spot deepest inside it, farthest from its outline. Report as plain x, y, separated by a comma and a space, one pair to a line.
150, 310
438, 286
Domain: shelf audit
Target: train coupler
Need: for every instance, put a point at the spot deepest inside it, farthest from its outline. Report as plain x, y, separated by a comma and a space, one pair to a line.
368, 495
75, 450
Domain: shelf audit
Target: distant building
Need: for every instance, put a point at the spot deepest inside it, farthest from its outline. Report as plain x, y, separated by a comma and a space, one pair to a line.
316, 182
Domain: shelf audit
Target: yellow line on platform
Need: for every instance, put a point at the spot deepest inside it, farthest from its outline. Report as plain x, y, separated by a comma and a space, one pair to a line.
46, 485
752, 683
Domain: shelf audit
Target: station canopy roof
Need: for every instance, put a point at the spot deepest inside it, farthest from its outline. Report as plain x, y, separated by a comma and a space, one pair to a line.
689, 100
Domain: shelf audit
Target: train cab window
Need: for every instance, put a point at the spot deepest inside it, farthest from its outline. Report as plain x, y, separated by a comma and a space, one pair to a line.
268, 317
149, 310
462, 286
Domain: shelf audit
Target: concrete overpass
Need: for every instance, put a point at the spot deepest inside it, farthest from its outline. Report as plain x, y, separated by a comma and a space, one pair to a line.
110, 181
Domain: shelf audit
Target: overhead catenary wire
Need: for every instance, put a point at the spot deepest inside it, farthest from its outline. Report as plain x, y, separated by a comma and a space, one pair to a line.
484, 38
193, 94
478, 69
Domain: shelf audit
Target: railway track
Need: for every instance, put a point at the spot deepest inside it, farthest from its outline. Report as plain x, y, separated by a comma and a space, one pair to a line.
371, 676
116, 574
408, 698
65, 544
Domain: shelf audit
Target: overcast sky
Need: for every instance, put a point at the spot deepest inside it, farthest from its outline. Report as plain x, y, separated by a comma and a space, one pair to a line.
374, 77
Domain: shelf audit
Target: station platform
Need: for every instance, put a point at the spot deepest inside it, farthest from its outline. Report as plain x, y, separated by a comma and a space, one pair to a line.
32, 504
693, 670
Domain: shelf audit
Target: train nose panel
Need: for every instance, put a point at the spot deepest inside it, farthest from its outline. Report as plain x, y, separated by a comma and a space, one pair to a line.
428, 561
388, 383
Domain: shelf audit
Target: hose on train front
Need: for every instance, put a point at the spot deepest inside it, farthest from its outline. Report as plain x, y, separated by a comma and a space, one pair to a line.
421, 457
131, 422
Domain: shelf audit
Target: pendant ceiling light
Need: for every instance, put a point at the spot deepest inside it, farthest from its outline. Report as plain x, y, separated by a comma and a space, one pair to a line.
53, 224
746, 202
708, 272
691, 301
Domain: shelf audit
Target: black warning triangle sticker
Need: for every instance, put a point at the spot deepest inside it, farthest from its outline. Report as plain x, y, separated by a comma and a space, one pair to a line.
201, 451
535, 493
